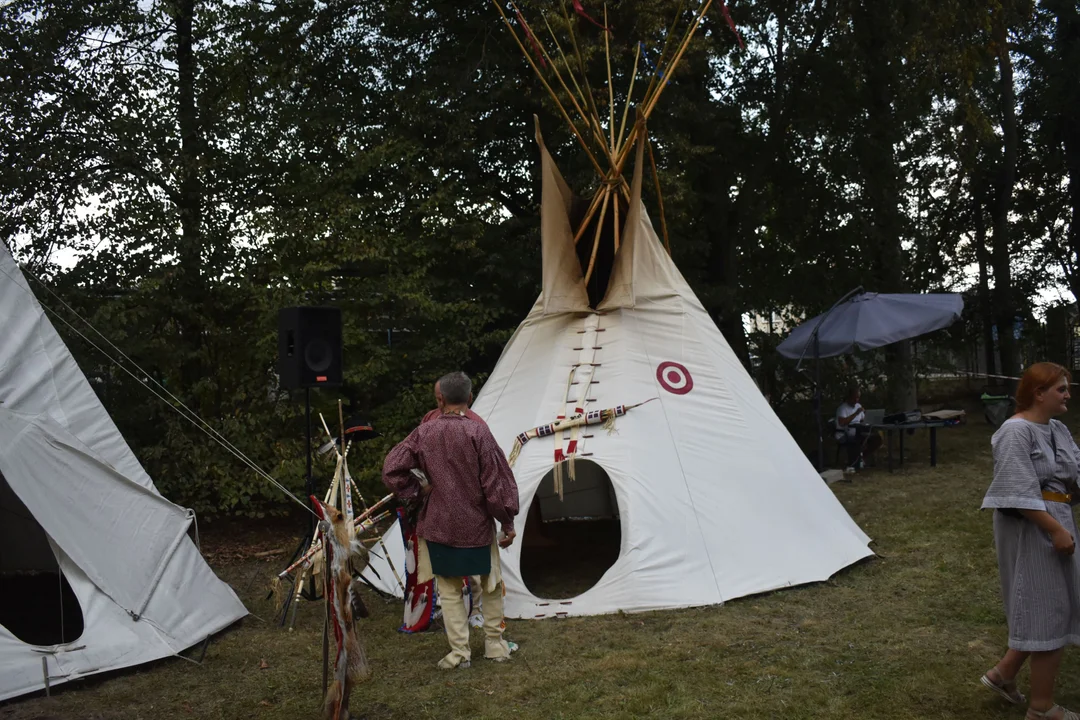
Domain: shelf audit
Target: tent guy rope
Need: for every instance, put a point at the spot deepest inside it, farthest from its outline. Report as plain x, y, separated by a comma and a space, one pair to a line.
187, 413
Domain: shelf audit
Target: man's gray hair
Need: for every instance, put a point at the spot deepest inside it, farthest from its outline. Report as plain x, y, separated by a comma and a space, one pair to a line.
456, 388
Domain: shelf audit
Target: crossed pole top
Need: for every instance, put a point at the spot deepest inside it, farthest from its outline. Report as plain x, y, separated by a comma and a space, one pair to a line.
573, 96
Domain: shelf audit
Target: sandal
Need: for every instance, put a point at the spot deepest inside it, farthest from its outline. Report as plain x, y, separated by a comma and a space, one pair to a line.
1051, 713
1007, 690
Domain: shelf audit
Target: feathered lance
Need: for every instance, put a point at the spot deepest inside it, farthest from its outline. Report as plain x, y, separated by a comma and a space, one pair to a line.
593, 417
342, 552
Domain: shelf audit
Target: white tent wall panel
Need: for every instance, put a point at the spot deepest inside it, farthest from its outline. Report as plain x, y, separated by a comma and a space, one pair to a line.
378, 572
190, 603
134, 530
38, 375
111, 640
123, 548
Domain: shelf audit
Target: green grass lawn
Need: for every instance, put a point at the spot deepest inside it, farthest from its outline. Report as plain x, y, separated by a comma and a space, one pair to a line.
904, 635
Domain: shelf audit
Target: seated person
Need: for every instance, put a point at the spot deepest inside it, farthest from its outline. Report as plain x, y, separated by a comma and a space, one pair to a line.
859, 441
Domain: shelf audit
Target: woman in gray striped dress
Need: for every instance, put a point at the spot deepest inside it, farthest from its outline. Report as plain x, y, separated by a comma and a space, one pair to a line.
1034, 488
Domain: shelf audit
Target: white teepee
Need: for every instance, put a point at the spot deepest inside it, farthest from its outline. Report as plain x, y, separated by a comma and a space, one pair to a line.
74, 498
714, 497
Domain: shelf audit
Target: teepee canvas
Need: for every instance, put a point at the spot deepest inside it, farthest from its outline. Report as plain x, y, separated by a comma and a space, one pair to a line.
76, 506
714, 498
619, 398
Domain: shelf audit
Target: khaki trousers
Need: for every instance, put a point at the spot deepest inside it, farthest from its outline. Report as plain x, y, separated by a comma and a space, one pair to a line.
456, 617
456, 621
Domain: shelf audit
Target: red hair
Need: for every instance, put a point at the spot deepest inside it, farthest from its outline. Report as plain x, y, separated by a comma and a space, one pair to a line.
1036, 378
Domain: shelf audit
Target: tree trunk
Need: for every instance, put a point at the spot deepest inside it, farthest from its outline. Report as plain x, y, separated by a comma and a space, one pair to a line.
1067, 50
723, 265
986, 318
721, 221
189, 272
881, 181
1003, 294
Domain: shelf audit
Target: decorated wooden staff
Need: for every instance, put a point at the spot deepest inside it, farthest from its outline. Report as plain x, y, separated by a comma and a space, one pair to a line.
363, 522
593, 417
345, 556
348, 486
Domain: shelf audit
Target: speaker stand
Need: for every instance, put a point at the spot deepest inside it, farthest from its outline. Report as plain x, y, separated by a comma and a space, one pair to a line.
310, 533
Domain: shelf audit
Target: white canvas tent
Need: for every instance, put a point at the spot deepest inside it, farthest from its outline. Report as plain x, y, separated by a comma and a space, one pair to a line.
715, 499
74, 499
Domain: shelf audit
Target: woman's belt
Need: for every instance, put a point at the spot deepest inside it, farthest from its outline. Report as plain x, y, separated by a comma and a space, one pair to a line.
1057, 497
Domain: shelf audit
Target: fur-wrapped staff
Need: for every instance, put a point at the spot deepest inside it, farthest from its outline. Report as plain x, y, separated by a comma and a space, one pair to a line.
345, 556
361, 524
593, 417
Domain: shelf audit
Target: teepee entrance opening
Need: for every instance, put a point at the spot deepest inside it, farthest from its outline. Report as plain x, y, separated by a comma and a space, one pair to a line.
569, 543
37, 605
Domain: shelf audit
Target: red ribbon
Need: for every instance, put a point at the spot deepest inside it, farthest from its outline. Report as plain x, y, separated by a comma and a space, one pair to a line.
532, 39
580, 10
731, 24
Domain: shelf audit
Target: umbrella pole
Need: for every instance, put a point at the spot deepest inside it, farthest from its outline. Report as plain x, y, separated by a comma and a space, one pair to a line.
817, 404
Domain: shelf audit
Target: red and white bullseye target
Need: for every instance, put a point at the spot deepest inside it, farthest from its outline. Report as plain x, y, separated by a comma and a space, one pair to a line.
674, 378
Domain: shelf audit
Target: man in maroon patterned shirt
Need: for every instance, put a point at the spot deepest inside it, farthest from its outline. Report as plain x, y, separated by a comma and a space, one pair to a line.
470, 489
476, 614
432, 414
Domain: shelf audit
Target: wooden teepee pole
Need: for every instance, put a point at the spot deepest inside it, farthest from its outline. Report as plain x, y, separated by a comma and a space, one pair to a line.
566, 62
581, 68
651, 101
593, 207
566, 116
615, 210
678, 56
599, 228
596, 130
659, 195
629, 97
663, 51
610, 85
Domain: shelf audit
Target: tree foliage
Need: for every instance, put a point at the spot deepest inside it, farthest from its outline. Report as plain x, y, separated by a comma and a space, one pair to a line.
179, 170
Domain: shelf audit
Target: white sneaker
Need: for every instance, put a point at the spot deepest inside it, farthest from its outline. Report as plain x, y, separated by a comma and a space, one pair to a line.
476, 620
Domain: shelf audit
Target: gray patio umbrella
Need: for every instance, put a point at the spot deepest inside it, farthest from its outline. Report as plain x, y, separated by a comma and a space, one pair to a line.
867, 320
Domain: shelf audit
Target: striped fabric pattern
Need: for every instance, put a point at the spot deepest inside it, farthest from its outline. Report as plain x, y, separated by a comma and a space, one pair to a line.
1039, 588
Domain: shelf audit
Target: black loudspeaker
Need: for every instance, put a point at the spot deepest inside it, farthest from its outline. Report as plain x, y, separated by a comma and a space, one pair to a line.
309, 347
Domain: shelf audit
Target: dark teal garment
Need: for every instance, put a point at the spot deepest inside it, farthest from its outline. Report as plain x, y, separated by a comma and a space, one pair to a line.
459, 562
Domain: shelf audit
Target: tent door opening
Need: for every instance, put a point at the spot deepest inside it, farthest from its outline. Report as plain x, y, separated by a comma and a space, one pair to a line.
37, 605
569, 544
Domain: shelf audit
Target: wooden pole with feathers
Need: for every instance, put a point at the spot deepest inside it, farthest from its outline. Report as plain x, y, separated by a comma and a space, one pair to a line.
615, 145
